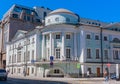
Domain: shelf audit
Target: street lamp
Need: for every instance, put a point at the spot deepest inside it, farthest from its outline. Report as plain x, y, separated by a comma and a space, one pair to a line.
101, 42
25, 57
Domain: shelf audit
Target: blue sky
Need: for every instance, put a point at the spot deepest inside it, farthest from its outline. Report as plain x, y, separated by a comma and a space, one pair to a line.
103, 10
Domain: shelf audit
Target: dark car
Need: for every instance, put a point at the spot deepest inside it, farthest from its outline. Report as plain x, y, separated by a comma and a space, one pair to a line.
3, 74
113, 76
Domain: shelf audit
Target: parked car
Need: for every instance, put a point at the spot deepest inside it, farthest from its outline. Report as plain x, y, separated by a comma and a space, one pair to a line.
113, 76
3, 74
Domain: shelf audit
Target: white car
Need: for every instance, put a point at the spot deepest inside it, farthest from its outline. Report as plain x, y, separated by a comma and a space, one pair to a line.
3, 74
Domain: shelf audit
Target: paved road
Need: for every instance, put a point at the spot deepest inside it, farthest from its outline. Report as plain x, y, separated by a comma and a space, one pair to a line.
29, 81
37, 80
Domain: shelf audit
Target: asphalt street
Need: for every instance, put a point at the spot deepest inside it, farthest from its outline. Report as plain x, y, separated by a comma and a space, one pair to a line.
33, 80
29, 81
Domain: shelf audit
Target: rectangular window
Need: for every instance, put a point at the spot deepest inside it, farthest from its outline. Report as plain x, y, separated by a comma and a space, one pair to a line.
97, 54
88, 36
68, 53
32, 70
32, 54
106, 54
19, 56
67, 36
58, 36
28, 56
25, 17
24, 56
9, 59
56, 71
58, 53
28, 18
105, 38
88, 53
33, 40
115, 54
15, 15
37, 20
44, 14
96, 37
15, 58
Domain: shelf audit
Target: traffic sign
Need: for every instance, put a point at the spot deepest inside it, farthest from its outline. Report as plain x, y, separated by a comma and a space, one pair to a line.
51, 58
51, 63
108, 64
32, 61
78, 65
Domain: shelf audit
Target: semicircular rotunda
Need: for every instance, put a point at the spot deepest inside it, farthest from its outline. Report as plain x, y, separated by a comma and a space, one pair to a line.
61, 16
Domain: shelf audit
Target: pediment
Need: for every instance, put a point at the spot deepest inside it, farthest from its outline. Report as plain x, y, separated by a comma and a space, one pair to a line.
19, 34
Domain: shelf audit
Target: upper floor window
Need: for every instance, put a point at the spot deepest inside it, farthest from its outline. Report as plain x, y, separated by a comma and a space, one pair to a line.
37, 20
115, 54
28, 11
57, 53
33, 40
68, 53
58, 36
105, 38
17, 9
106, 54
88, 36
88, 53
15, 15
67, 36
96, 37
68, 19
49, 20
57, 19
25, 17
44, 14
97, 54
28, 18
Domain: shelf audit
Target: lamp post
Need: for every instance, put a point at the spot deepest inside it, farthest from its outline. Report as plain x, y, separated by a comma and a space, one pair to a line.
12, 58
1, 53
25, 58
101, 42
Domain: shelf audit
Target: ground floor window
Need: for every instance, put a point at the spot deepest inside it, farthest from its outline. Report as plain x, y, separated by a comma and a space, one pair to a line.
56, 71
32, 70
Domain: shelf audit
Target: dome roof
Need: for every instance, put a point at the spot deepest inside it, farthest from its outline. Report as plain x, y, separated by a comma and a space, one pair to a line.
61, 10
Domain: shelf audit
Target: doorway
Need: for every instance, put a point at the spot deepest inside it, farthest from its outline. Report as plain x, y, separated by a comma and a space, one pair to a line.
98, 72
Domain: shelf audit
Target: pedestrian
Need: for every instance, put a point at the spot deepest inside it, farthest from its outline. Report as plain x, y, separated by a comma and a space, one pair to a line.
88, 73
106, 75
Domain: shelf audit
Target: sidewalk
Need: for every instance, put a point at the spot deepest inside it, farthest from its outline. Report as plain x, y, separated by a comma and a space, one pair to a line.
69, 80
57, 79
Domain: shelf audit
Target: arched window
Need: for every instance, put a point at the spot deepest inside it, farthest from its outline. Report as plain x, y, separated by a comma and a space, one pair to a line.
57, 19
49, 21
67, 19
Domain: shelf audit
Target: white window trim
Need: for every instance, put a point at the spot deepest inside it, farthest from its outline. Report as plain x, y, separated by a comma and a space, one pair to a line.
55, 53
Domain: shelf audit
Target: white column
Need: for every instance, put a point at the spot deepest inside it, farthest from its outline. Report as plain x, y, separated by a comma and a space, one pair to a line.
75, 47
82, 46
51, 44
117, 71
43, 46
63, 57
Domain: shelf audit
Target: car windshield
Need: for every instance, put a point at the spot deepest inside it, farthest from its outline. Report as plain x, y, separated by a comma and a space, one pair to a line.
2, 71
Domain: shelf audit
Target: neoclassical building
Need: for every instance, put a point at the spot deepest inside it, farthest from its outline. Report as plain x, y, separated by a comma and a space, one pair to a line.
75, 44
